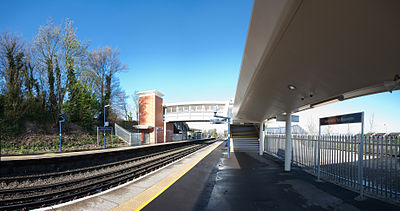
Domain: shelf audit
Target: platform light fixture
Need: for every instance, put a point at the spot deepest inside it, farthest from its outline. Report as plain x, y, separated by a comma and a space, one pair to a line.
105, 114
329, 101
105, 125
292, 87
305, 107
325, 103
215, 110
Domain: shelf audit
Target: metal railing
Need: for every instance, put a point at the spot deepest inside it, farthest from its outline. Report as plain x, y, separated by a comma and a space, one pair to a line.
132, 139
376, 174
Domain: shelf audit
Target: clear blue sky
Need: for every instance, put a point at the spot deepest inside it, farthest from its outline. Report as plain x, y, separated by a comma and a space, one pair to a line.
188, 50
382, 110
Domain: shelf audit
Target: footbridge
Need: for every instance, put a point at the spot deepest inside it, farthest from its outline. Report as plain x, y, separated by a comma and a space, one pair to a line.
197, 111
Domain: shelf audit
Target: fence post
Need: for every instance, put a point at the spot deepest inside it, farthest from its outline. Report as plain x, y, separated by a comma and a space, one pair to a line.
319, 155
288, 143
97, 132
315, 153
130, 139
361, 159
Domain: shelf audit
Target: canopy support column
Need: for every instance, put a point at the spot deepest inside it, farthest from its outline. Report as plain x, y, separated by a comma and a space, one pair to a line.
261, 147
288, 146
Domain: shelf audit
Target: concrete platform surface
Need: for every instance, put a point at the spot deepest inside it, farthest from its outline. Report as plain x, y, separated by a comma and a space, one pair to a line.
247, 181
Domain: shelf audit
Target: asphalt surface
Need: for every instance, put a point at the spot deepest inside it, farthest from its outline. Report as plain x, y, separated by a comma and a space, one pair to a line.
247, 181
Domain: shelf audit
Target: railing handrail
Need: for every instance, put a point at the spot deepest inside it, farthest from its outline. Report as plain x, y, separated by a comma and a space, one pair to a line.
121, 128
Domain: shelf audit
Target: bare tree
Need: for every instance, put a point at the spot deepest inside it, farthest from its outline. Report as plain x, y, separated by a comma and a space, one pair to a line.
125, 106
371, 123
328, 130
73, 56
73, 52
31, 83
10, 47
47, 48
135, 99
311, 127
104, 63
11, 74
120, 105
348, 129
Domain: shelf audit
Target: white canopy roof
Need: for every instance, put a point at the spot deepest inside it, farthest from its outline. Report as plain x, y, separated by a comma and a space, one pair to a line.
328, 50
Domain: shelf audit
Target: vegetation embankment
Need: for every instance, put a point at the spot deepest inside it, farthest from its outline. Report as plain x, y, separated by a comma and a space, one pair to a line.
34, 144
52, 74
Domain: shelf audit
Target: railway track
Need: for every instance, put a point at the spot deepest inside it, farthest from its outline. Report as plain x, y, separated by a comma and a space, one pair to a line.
112, 174
57, 174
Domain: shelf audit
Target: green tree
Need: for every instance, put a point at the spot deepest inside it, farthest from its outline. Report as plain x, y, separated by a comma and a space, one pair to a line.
82, 108
212, 133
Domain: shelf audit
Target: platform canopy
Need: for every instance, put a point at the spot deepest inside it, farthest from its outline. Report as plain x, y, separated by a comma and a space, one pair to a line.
302, 54
143, 127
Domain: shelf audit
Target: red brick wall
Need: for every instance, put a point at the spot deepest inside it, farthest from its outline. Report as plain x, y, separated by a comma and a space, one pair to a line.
150, 113
159, 119
170, 131
146, 110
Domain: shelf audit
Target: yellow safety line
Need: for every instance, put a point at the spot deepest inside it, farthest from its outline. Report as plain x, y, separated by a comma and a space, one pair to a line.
132, 204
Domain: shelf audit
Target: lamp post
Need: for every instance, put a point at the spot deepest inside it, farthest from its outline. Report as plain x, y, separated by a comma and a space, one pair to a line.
62, 118
104, 131
229, 129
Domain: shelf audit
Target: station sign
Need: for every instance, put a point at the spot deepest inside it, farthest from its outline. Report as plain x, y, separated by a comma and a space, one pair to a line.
62, 117
105, 128
295, 118
341, 119
159, 128
217, 121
